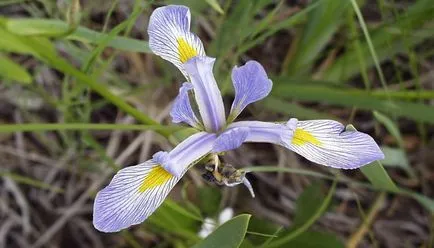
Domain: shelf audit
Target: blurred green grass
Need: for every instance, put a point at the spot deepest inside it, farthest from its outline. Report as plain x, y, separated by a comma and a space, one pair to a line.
332, 58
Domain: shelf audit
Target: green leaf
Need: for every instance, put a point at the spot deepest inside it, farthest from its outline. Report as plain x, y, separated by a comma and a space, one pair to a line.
395, 157
12, 43
262, 231
30, 181
228, 235
376, 173
388, 40
370, 45
40, 127
425, 201
13, 71
322, 23
378, 176
359, 99
210, 198
391, 127
44, 50
215, 5
169, 218
181, 210
272, 28
55, 28
307, 203
233, 26
297, 171
308, 220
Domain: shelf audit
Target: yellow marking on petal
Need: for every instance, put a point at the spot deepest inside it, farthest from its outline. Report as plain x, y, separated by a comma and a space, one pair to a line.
157, 177
185, 50
302, 137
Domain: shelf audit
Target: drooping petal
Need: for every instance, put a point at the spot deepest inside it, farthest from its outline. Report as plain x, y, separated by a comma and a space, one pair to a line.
206, 92
326, 142
181, 110
170, 36
192, 149
267, 132
134, 193
251, 84
231, 139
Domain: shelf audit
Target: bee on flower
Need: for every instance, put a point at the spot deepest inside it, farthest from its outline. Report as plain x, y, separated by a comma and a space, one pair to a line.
135, 192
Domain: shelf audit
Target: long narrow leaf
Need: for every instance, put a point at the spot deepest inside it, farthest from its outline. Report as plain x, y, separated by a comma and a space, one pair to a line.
54, 28
39, 127
362, 100
13, 71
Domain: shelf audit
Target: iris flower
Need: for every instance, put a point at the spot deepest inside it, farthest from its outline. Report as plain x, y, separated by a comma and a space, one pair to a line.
135, 192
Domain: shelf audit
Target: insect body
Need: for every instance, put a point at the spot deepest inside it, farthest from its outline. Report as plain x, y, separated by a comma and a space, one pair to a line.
226, 174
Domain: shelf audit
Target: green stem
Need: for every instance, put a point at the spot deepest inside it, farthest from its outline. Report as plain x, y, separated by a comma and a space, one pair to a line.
371, 46
83, 126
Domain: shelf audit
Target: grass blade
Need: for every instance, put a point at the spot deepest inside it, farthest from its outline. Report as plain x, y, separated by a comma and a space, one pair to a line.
388, 40
40, 127
13, 71
322, 23
55, 28
362, 100
215, 5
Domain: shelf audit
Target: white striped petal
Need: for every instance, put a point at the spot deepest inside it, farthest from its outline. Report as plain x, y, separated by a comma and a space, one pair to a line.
134, 193
327, 143
170, 36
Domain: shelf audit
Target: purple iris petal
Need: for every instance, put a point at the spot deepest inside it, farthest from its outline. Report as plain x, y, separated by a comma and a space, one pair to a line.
267, 132
131, 197
251, 84
170, 36
231, 139
326, 142
321, 141
177, 161
181, 110
135, 192
206, 92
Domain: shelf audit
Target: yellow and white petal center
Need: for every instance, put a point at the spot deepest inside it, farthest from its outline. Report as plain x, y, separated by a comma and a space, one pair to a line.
185, 50
157, 176
303, 137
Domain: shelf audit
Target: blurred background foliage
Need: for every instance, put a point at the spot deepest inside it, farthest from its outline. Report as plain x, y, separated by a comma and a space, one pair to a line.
82, 96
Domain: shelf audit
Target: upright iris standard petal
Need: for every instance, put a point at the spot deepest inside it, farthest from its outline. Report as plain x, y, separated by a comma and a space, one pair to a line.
259, 131
206, 92
251, 84
181, 110
195, 147
170, 36
134, 193
326, 142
